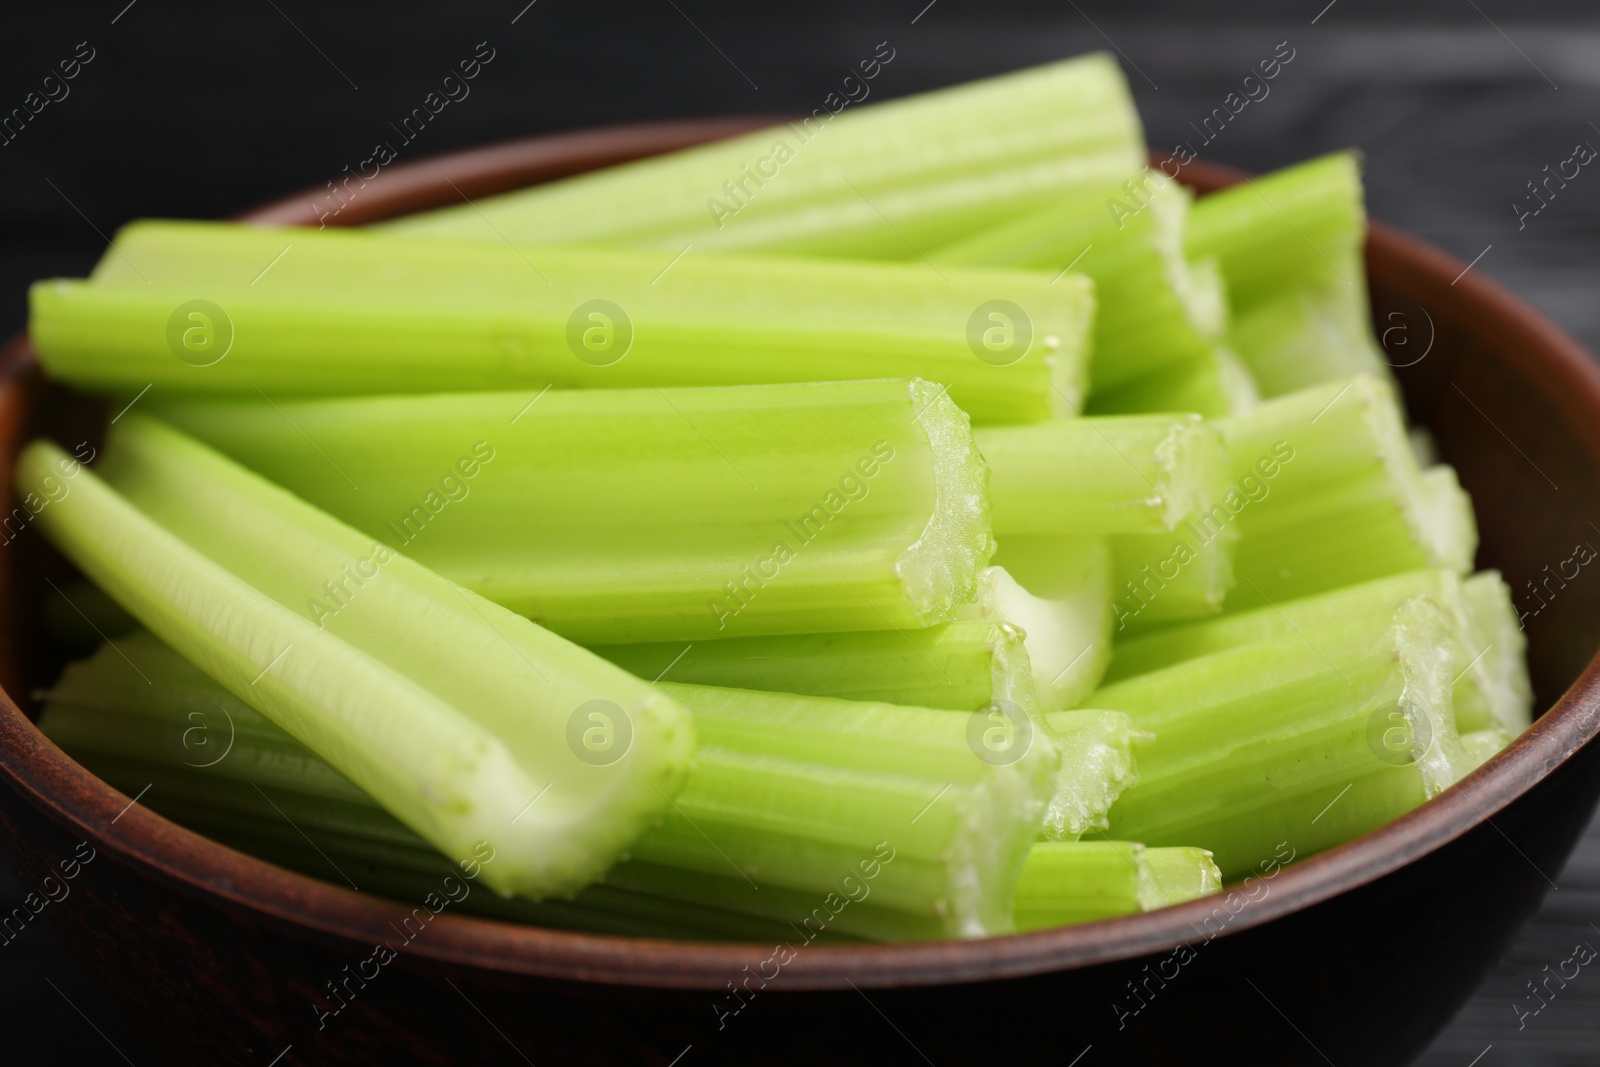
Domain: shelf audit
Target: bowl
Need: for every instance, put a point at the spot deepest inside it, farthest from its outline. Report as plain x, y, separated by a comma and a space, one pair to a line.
1357, 955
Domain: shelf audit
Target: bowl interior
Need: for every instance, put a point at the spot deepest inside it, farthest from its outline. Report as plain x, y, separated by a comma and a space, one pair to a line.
1512, 402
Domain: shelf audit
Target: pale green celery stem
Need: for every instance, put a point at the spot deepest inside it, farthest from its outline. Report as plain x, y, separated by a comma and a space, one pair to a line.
938, 164
1305, 740
350, 312
1332, 495
338, 842
1321, 331
962, 666
1497, 640
1491, 690
1154, 312
1161, 578
450, 711
792, 793
1097, 765
1074, 882
1217, 386
1089, 477
836, 780
1283, 229
1064, 611
650, 515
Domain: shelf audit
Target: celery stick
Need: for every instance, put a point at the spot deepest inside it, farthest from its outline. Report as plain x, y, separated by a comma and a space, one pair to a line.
354, 312
1153, 315
1333, 495
451, 712
963, 666
650, 515
1284, 229
1184, 575
1312, 741
1311, 333
1064, 612
885, 180
1135, 474
1491, 691
1215, 386
789, 795
1080, 881
1097, 764
1496, 639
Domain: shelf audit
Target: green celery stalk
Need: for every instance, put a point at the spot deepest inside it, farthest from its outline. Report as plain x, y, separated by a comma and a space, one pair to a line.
1479, 745
1308, 739
1064, 611
1285, 229
1491, 691
1330, 494
962, 666
1161, 578
356, 312
451, 712
650, 515
789, 794
881, 181
1317, 332
1097, 764
1138, 474
1215, 386
1081, 881
1153, 314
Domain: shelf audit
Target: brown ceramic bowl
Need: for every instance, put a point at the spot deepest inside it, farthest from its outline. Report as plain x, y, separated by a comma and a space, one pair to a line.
1357, 955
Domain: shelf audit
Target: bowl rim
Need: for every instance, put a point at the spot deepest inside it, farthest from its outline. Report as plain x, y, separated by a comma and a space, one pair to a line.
82, 805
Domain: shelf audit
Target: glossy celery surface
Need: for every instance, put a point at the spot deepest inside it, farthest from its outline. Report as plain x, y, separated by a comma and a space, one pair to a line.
880, 180
1492, 690
192, 306
962, 666
451, 712
1311, 739
793, 801
1080, 881
1098, 761
1135, 474
1329, 493
1154, 314
650, 515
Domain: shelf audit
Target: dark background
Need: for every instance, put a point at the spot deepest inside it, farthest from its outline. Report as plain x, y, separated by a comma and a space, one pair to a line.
195, 110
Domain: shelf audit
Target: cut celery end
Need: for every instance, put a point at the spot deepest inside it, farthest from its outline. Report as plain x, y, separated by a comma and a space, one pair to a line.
1154, 312
1336, 496
1499, 647
649, 515
450, 711
1064, 614
1283, 229
1306, 741
938, 164
1081, 881
963, 666
1491, 690
351, 312
1097, 765
1137, 474
1217, 385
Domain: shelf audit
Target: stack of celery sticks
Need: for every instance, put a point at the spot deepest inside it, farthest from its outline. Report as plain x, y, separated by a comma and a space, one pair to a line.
922, 521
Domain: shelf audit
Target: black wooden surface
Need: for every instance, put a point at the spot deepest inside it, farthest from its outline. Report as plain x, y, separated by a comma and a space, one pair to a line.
189, 109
